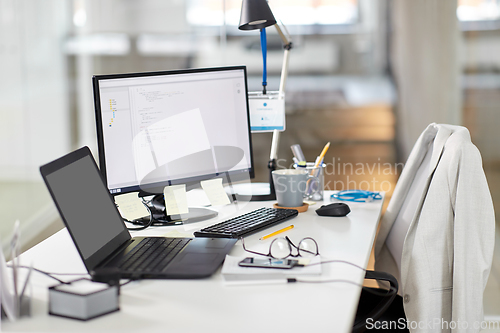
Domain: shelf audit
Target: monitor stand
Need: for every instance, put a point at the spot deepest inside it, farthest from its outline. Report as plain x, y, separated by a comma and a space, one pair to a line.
160, 218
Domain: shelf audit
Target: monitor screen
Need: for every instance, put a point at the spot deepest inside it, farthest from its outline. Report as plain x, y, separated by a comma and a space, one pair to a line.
175, 127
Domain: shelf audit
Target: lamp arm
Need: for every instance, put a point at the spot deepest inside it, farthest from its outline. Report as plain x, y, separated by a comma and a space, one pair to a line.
284, 72
287, 42
287, 45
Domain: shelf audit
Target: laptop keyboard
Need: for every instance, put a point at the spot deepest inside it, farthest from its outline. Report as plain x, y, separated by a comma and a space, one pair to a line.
247, 224
152, 254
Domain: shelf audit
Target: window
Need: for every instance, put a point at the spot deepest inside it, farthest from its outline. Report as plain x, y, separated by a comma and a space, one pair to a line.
478, 10
291, 12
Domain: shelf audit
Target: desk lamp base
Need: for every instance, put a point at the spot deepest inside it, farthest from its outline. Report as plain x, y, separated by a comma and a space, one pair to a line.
257, 191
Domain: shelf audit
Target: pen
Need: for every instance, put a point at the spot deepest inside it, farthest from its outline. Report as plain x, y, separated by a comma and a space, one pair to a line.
322, 155
276, 232
297, 152
315, 171
25, 284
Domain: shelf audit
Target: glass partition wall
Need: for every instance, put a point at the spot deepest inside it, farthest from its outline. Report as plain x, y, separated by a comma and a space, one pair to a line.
34, 111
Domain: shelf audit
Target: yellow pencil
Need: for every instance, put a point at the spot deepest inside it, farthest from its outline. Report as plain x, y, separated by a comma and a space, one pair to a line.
276, 232
322, 155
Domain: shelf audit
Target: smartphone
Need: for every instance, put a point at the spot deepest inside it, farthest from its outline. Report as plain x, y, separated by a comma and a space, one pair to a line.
268, 263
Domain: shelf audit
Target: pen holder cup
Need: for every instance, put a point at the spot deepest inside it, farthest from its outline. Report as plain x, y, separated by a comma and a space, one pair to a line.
315, 186
24, 308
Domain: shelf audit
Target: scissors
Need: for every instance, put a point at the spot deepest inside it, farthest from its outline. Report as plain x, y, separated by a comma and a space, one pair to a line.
356, 196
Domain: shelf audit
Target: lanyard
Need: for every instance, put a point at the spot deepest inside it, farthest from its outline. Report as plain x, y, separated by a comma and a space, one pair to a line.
263, 45
356, 196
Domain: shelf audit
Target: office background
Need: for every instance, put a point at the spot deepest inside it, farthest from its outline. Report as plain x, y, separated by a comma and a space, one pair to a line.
367, 75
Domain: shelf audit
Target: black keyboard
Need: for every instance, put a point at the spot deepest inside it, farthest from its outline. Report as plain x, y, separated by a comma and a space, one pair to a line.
152, 254
246, 224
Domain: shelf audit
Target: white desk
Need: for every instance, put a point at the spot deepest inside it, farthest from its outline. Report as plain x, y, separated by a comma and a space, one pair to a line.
209, 305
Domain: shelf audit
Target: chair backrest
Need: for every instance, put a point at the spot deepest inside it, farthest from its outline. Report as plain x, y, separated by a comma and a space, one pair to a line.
396, 237
439, 227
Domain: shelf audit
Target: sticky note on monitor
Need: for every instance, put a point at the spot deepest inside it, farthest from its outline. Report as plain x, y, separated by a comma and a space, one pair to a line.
215, 192
131, 206
176, 199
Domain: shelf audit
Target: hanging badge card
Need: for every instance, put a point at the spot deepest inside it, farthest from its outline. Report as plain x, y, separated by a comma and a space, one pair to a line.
267, 111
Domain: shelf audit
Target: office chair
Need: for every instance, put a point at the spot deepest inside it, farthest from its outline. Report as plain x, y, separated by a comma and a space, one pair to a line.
436, 238
378, 305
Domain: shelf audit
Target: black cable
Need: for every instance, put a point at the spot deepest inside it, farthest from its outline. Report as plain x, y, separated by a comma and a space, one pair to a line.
340, 261
51, 275
370, 290
125, 283
152, 222
48, 274
293, 280
337, 280
145, 226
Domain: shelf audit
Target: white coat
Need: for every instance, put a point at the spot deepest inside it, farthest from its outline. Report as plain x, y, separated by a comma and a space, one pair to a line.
447, 253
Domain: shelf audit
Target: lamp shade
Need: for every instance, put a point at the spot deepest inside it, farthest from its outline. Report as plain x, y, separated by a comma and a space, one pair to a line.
255, 14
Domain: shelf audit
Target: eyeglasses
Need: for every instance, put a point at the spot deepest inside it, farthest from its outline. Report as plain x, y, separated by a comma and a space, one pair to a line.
282, 248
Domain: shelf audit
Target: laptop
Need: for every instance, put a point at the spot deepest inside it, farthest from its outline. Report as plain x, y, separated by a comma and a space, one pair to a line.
104, 242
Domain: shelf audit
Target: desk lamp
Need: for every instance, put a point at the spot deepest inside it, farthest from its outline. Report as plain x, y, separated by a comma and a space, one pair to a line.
256, 14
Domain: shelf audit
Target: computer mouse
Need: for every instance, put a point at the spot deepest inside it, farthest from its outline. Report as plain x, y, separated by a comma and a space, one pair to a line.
334, 209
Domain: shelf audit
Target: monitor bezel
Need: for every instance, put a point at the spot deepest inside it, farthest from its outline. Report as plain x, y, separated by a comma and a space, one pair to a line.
191, 182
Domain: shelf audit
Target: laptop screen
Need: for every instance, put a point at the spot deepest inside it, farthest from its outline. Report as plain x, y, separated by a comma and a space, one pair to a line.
85, 205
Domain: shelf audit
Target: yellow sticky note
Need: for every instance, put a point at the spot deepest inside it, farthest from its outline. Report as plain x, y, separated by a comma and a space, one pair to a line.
130, 206
215, 192
176, 199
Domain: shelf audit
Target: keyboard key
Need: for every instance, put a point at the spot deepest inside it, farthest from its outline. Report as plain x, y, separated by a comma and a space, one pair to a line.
152, 254
247, 224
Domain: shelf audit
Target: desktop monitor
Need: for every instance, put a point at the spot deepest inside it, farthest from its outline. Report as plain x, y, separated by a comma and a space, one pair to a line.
165, 128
